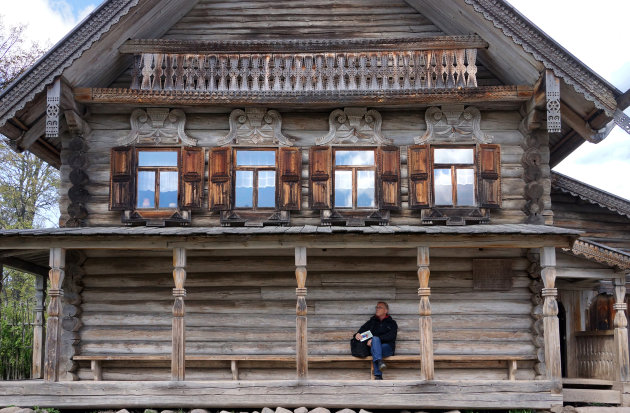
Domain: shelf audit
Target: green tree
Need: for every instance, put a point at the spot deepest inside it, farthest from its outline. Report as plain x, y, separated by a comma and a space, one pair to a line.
28, 199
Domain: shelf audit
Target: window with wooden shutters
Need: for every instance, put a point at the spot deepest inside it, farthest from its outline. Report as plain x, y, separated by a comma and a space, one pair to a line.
489, 176
419, 171
389, 177
220, 179
453, 176
193, 163
320, 165
122, 188
254, 178
157, 178
354, 178
289, 171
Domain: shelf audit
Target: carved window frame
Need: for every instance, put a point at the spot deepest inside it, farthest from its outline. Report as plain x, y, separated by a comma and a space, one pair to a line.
255, 169
157, 211
453, 167
355, 170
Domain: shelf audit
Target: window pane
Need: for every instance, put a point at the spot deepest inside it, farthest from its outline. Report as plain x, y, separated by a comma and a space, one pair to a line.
450, 156
146, 189
354, 158
244, 191
266, 189
157, 158
365, 189
343, 189
443, 188
465, 187
168, 189
255, 158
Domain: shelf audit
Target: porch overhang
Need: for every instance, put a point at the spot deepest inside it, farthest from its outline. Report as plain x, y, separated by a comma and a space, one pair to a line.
402, 236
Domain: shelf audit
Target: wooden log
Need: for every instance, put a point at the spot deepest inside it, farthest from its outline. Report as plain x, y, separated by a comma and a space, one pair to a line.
301, 310
426, 323
39, 334
53, 339
621, 330
551, 324
178, 358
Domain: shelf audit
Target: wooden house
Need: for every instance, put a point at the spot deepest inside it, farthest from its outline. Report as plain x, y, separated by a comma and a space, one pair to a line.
243, 180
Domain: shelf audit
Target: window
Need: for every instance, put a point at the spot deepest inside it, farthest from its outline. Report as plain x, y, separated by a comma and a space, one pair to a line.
158, 179
355, 179
454, 176
255, 179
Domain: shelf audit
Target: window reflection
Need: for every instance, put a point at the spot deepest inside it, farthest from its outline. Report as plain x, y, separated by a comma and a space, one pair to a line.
365, 189
443, 187
343, 189
157, 158
146, 189
354, 158
267, 189
244, 189
453, 156
255, 158
465, 187
168, 189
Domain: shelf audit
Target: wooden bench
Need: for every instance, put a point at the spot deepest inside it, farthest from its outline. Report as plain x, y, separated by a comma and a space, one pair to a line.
97, 360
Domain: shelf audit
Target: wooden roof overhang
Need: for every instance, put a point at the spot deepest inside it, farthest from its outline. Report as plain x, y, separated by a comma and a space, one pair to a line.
601, 254
495, 236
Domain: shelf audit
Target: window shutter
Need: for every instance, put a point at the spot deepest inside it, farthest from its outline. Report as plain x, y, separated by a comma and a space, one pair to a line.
320, 160
122, 179
490, 176
289, 171
220, 177
191, 178
418, 165
389, 177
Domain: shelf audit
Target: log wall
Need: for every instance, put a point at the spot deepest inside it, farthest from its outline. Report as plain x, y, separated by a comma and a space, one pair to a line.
109, 124
243, 302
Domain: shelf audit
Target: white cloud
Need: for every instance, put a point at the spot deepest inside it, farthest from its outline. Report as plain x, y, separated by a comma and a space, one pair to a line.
48, 20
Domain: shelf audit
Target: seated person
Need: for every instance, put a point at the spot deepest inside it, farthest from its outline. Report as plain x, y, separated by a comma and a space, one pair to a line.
383, 341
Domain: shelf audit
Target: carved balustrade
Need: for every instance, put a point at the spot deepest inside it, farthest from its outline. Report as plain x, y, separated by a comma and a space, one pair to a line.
596, 354
260, 73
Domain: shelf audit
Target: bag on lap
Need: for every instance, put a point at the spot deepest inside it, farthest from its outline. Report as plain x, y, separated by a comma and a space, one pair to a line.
359, 348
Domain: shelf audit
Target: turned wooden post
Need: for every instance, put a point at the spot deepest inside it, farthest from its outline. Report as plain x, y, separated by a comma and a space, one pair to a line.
178, 356
53, 339
426, 323
301, 347
550, 317
621, 330
39, 335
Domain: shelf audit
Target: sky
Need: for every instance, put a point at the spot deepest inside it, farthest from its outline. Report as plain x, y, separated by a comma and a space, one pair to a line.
594, 34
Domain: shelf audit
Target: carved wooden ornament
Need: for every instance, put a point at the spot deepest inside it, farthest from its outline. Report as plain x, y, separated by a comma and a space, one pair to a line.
255, 126
53, 97
158, 126
354, 126
453, 123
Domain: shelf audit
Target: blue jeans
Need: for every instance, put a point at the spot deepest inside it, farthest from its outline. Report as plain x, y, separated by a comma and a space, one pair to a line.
379, 350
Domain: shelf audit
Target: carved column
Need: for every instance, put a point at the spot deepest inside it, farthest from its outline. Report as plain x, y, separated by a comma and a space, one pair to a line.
56, 275
550, 317
426, 323
301, 347
621, 330
39, 334
178, 357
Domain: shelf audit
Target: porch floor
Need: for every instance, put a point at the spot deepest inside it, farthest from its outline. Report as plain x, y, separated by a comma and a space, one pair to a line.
386, 394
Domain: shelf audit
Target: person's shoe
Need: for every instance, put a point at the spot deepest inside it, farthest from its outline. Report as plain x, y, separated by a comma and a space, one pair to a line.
381, 365
378, 377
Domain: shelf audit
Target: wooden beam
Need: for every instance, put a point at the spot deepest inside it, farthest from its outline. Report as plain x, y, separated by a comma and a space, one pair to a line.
551, 324
622, 357
481, 94
301, 347
426, 322
24, 266
53, 329
36, 131
39, 332
178, 357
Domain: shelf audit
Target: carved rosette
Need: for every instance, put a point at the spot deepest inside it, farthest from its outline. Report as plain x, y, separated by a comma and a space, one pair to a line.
158, 126
71, 316
255, 126
538, 336
354, 126
453, 123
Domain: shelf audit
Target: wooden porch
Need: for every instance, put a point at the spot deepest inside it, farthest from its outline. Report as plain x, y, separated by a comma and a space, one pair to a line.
393, 394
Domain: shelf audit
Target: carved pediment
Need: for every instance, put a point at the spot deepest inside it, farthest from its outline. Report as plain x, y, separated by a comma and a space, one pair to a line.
255, 126
453, 123
158, 126
354, 126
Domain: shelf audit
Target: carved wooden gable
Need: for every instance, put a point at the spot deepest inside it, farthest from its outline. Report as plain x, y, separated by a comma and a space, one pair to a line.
453, 123
257, 127
158, 126
354, 126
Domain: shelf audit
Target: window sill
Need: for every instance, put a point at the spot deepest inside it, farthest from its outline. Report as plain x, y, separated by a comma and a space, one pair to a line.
156, 218
261, 218
354, 217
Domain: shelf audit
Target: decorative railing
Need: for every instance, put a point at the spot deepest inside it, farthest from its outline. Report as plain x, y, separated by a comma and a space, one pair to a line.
306, 72
596, 354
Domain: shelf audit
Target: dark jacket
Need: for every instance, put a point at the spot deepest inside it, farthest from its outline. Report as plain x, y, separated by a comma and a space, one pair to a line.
386, 330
